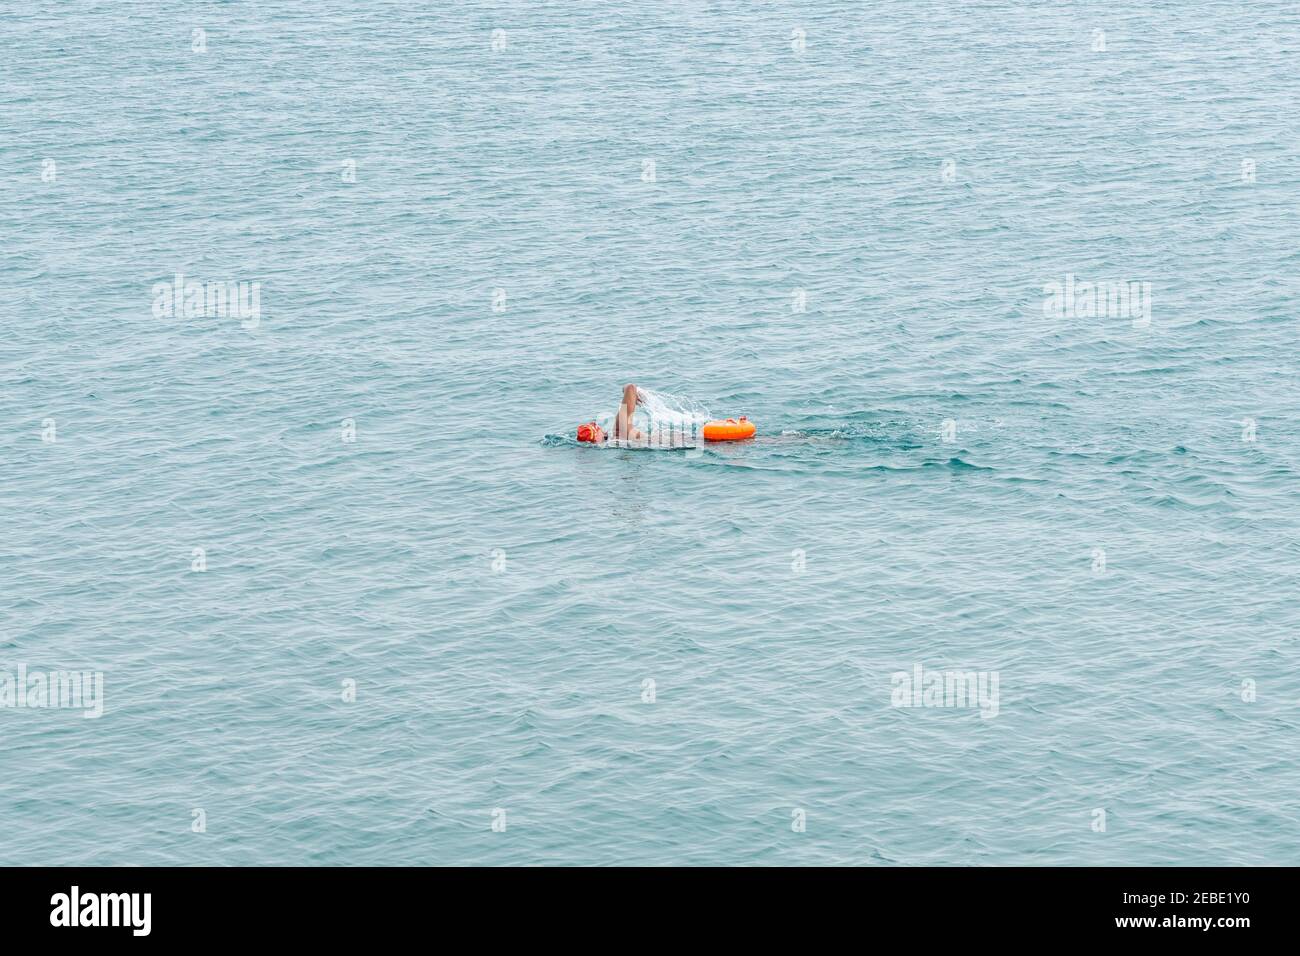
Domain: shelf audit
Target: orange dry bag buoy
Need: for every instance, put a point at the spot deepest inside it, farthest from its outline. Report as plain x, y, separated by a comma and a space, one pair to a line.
730, 429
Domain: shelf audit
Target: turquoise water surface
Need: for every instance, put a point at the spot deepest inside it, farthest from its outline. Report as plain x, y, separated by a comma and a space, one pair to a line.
356, 595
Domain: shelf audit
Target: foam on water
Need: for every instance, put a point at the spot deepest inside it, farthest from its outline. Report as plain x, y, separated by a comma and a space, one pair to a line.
666, 410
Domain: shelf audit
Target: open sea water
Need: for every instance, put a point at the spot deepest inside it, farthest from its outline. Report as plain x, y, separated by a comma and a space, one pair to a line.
358, 597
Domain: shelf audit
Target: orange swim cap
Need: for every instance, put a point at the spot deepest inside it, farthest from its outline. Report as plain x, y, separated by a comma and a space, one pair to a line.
590, 432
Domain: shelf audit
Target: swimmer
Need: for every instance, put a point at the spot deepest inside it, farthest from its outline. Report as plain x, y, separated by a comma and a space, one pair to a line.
623, 427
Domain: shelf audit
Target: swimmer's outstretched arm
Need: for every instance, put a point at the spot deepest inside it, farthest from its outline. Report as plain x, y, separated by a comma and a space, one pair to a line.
623, 427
